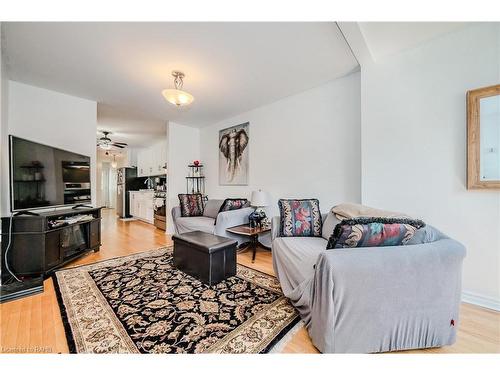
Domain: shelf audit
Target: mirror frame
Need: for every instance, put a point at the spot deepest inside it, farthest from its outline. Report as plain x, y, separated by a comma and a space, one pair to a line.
474, 140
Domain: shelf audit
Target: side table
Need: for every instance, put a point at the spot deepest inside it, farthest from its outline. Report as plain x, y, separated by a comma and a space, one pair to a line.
252, 233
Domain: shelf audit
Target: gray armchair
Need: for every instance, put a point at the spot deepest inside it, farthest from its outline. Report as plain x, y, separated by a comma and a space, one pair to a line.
392, 297
212, 221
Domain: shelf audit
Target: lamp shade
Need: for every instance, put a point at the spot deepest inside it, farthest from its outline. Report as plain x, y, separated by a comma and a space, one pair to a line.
178, 97
259, 199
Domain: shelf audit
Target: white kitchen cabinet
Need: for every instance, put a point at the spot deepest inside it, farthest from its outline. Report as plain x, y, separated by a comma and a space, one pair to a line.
141, 205
147, 211
144, 161
132, 198
131, 157
137, 205
160, 157
152, 159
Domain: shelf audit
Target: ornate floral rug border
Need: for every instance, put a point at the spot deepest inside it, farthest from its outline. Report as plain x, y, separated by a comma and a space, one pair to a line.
76, 292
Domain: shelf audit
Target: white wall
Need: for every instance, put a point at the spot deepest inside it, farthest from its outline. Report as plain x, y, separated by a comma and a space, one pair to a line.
4, 144
183, 146
414, 145
303, 146
51, 118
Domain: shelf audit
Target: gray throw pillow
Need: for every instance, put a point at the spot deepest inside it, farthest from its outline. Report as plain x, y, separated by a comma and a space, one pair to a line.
212, 208
425, 235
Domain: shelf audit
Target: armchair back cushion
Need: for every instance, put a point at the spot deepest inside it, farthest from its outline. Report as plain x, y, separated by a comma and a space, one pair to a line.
191, 204
300, 218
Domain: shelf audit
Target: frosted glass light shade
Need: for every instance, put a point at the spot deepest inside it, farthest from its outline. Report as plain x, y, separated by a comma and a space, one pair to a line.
259, 199
105, 146
177, 97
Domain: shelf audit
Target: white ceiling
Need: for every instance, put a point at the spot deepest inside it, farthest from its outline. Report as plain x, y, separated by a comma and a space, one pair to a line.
127, 126
384, 39
230, 67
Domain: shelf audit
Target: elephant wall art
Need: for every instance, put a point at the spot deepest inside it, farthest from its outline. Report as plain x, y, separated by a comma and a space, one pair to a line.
233, 155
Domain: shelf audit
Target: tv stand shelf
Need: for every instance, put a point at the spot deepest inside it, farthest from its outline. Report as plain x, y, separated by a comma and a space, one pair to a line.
38, 249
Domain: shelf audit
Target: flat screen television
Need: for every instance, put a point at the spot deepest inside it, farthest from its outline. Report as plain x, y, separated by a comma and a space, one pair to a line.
42, 176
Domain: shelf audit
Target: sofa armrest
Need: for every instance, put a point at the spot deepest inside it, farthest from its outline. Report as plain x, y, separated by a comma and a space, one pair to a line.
227, 219
275, 227
387, 289
410, 267
176, 213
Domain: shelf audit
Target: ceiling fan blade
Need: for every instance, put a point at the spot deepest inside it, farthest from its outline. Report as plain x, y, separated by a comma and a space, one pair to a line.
119, 146
120, 143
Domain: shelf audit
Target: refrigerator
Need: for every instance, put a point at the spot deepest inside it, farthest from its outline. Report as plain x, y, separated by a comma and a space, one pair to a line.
127, 180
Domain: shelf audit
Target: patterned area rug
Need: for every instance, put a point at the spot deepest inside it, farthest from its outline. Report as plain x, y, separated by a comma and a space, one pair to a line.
143, 304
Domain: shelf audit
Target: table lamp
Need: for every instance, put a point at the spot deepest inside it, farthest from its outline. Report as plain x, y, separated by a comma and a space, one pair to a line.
258, 200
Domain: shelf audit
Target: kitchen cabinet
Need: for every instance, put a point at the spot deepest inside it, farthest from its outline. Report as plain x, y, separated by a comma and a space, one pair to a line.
141, 205
152, 160
144, 162
134, 203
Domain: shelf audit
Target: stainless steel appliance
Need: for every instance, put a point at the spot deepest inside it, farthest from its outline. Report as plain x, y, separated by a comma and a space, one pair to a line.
160, 209
126, 180
76, 179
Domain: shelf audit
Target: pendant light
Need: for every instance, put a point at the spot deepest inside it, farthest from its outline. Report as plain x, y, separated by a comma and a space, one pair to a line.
176, 96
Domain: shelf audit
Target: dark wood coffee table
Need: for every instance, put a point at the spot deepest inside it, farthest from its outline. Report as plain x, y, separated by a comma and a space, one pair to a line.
253, 234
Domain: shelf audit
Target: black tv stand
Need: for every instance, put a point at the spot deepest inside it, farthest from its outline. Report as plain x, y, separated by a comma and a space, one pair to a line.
81, 205
40, 245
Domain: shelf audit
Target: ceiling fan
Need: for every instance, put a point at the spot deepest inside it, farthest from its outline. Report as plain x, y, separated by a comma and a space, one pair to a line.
106, 143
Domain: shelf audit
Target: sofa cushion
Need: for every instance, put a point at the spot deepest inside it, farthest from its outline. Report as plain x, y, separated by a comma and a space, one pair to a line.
190, 224
300, 218
373, 231
191, 204
329, 225
212, 208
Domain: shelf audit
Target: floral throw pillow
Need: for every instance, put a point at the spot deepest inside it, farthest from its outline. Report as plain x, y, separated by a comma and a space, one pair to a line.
373, 232
300, 218
191, 204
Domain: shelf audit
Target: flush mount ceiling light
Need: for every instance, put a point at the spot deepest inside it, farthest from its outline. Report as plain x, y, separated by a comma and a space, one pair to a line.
176, 96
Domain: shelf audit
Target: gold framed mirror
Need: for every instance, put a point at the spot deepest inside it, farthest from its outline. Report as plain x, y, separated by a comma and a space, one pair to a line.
483, 138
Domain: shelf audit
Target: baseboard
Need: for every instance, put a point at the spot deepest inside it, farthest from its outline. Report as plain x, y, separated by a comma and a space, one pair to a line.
480, 300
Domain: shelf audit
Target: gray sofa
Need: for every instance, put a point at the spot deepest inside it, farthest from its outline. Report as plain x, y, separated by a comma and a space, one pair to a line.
366, 300
206, 223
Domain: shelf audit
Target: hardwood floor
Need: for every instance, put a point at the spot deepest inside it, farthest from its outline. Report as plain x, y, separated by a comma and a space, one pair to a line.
33, 324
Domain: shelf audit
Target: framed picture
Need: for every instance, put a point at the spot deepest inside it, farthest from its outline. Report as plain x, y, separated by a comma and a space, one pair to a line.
233, 155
